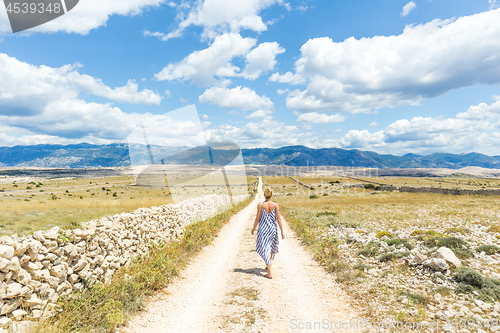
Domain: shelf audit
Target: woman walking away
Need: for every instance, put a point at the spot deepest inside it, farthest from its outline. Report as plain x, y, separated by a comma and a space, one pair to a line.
268, 213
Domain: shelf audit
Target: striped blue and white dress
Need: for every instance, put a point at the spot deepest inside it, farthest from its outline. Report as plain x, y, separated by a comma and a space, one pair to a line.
267, 235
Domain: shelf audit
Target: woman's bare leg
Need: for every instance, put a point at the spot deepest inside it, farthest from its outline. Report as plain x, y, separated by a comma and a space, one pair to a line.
268, 270
268, 267
272, 257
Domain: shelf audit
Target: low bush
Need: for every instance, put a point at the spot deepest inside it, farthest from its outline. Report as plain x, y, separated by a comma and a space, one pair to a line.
471, 280
399, 241
362, 267
457, 230
326, 213
392, 256
334, 265
428, 233
383, 233
460, 247
414, 298
369, 250
445, 291
494, 228
488, 249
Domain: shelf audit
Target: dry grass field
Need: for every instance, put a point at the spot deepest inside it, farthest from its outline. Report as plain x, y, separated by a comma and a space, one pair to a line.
383, 209
27, 205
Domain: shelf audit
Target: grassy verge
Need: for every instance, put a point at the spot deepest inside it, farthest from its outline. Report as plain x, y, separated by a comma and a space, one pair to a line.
103, 308
309, 231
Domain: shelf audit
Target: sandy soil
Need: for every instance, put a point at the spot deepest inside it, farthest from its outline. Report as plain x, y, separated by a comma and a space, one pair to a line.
224, 289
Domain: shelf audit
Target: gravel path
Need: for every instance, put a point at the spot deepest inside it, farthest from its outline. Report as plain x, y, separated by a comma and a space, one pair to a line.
224, 289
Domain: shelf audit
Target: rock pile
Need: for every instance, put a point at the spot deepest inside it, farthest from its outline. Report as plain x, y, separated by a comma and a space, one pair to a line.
36, 269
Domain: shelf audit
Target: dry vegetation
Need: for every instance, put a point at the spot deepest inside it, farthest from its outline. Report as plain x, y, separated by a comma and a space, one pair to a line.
42, 203
384, 285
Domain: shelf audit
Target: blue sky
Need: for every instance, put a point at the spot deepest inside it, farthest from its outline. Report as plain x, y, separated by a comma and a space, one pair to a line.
389, 76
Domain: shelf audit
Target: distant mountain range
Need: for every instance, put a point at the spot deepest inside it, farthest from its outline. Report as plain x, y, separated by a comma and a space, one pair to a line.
114, 155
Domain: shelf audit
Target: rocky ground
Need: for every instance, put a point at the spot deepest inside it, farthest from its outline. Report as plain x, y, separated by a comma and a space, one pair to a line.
405, 275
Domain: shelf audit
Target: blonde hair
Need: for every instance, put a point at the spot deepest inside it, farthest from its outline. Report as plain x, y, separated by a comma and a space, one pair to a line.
268, 194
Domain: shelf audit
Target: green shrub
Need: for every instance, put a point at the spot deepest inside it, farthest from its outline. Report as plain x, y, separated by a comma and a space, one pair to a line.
392, 256
457, 245
471, 280
369, 250
494, 228
399, 241
327, 213
445, 291
425, 233
488, 249
383, 233
347, 277
414, 298
334, 265
362, 267
457, 230
313, 196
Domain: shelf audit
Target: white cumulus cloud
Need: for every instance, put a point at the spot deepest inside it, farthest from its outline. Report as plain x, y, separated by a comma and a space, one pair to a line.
206, 66
408, 8
288, 77
261, 59
28, 89
320, 118
258, 114
241, 98
470, 131
202, 66
221, 16
425, 61
86, 16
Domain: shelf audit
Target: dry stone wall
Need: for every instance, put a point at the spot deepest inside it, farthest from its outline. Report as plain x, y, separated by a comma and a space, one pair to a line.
451, 191
36, 269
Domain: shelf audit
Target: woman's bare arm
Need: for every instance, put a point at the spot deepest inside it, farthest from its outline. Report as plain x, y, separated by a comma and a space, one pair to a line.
257, 218
278, 218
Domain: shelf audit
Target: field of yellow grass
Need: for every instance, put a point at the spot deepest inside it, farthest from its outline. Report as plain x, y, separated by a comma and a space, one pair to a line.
382, 209
44, 203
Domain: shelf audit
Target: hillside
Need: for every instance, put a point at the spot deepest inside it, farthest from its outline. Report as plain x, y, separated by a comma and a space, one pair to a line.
113, 155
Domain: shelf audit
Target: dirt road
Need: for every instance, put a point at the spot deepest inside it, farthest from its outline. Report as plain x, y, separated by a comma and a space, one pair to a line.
224, 289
